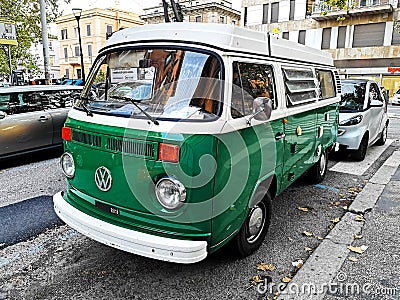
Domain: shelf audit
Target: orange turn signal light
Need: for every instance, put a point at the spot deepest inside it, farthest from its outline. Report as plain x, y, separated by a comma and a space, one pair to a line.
66, 133
167, 152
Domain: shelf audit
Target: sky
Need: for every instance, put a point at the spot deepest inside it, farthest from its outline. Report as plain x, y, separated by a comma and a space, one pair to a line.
130, 5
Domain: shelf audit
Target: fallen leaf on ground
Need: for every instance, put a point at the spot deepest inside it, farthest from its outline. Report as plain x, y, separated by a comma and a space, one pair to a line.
308, 249
319, 238
335, 220
357, 236
345, 207
306, 233
265, 267
286, 279
359, 250
290, 239
353, 259
298, 263
305, 209
255, 279
359, 218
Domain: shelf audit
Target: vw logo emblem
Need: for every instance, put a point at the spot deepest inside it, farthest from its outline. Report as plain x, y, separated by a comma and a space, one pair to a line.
103, 178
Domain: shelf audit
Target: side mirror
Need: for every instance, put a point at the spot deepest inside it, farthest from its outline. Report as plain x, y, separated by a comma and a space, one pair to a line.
2, 115
262, 108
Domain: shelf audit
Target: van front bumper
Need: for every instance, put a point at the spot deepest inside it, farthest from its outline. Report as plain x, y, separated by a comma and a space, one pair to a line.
166, 249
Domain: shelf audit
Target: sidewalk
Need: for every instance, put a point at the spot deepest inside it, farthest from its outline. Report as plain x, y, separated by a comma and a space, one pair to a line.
360, 257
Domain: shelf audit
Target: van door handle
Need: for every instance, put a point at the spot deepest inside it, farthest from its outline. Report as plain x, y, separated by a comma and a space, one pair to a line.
43, 119
279, 136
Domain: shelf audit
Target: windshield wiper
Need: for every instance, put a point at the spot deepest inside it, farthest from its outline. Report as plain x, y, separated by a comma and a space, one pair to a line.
133, 101
85, 108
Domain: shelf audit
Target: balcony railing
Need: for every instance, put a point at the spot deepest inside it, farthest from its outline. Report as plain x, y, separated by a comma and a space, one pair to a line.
322, 11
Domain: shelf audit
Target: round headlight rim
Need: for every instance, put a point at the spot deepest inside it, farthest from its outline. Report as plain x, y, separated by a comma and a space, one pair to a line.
181, 190
73, 164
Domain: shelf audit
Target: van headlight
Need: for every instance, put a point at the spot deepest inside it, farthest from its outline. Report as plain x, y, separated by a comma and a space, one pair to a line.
352, 121
67, 164
170, 193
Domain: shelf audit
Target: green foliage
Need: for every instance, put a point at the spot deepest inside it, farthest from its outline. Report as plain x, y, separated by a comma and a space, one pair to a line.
26, 15
337, 5
101, 77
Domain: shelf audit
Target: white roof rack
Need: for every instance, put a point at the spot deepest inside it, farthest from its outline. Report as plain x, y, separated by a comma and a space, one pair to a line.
220, 36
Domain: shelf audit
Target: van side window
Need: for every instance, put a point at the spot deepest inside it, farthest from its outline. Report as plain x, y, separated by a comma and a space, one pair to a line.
326, 84
300, 85
249, 82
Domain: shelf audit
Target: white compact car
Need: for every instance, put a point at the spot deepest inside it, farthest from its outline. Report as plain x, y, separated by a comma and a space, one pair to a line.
363, 119
396, 98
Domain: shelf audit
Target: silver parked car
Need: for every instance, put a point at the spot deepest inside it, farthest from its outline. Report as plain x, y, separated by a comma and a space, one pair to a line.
396, 98
363, 119
31, 117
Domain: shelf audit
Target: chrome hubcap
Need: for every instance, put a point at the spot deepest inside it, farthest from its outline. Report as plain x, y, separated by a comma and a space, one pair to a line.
322, 164
255, 223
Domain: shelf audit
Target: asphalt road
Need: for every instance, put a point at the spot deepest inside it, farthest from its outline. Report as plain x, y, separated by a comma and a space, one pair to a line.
62, 264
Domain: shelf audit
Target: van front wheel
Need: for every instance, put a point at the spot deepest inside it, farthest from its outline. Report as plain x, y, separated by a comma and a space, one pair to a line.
254, 228
318, 171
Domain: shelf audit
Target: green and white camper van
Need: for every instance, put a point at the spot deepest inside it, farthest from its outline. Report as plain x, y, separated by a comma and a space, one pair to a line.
197, 129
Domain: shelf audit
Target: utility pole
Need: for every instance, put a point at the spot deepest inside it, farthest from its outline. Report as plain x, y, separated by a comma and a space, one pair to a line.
45, 41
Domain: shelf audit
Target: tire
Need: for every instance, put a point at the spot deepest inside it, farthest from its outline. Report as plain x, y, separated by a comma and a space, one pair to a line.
360, 153
252, 233
318, 171
383, 137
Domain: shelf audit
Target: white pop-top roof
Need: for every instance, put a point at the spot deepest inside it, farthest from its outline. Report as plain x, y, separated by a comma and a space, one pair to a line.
220, 36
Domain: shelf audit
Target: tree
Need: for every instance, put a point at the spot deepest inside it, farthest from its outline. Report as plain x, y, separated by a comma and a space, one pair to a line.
26, 15
338, 4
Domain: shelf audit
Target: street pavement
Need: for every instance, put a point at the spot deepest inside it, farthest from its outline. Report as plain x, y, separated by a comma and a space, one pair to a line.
359, 258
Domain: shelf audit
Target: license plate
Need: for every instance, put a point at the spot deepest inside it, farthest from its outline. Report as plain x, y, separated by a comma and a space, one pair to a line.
107, 208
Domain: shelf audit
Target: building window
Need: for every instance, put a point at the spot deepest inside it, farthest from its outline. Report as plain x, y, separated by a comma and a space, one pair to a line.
66, 73
76, 32
64, 34
77, 52
368, 35
326, 38
79, 73
302, 37
65, 52
310, 4
88, 31
285, 35
265, 13
197, 19
222, 20
274, 12
109, 30
341, 40
51, 45
292, 8
51, 60
245, 17
90, 51
395, 36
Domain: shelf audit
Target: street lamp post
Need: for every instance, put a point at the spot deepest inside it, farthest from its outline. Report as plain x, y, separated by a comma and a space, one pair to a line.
77, 13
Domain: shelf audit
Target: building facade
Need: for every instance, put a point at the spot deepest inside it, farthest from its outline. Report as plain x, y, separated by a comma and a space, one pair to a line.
205, 11
95, 25
364, 40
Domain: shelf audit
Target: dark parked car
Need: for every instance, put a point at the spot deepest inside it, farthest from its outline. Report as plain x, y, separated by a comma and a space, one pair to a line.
31, 117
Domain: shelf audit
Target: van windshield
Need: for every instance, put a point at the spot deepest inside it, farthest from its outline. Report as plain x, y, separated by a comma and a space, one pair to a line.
353, 97
165, 84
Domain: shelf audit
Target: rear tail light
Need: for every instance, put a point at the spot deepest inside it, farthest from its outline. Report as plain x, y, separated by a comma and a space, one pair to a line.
66, 133
168, 152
